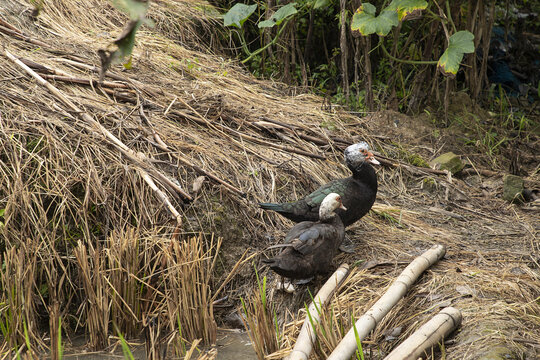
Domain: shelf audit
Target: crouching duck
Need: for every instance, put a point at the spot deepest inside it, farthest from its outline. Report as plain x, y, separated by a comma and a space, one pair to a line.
310, 246
358, 191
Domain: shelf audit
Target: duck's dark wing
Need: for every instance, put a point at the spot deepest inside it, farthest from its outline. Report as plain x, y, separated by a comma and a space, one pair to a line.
308, 241
315, 199
298, 230
296, 211
317, 237
306, 209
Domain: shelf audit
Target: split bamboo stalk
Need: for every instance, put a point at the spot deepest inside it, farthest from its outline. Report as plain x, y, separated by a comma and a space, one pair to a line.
307, 336
427, 335
397, 290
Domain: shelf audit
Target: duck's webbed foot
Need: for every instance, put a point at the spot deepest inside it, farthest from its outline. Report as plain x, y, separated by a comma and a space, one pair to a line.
285, 285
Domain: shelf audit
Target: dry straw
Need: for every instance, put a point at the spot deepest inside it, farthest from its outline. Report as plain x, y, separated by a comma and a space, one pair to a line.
80, 221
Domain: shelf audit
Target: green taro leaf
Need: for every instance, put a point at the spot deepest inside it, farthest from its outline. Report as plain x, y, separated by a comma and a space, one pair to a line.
277, 18
460, 43
407, 8
365, 22
238, 14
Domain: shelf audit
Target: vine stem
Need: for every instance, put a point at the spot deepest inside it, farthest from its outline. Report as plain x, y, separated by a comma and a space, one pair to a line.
413, 62
274, 40
450, 16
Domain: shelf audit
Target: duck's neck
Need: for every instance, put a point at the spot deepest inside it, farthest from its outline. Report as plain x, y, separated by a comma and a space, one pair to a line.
366, 174
327, 217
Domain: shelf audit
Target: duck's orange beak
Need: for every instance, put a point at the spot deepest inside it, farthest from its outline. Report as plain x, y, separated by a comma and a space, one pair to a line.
371, 158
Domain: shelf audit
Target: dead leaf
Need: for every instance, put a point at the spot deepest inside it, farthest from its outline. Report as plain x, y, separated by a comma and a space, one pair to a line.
197, 184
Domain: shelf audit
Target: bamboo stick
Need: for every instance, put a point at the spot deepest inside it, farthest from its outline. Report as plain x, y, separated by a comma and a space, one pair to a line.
373, 316
427, 335
307, 336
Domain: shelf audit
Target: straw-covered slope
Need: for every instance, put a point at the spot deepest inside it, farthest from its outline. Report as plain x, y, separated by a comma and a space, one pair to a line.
93, 176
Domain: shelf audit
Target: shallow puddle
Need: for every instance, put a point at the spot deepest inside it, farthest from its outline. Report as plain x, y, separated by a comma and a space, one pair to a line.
232, 344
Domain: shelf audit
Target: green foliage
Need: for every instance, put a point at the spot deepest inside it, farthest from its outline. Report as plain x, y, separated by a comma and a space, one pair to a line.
125, 347
459, 44
406, 8
277, 18
365, 22
136, 9
318, 4
59, 344
238, 14
359, 351
385, 215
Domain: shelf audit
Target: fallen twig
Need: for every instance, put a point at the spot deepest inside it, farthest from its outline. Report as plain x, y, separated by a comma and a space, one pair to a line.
91, 82
397, 290
306, 338
10, 30
427, 335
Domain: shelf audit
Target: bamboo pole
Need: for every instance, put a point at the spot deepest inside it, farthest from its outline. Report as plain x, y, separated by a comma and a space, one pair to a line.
397, 290
427, 335
307, 336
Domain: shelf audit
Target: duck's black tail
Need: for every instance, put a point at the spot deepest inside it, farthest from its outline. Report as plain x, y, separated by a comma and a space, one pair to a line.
271, 206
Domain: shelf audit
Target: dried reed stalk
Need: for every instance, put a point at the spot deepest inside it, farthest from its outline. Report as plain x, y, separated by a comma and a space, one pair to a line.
123, 252
187, 288
18, 286
97, 305
428, 335
308, 333
399, 287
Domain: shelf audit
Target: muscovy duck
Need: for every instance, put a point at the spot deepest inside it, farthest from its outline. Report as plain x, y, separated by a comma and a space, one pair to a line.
310, 246
358, 191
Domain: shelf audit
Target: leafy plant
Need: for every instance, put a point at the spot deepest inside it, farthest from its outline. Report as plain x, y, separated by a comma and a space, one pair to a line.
238, 15
365, 22
459, 44
277, 18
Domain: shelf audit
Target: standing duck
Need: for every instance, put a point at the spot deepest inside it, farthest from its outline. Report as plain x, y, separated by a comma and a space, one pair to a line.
357, 191
310, 246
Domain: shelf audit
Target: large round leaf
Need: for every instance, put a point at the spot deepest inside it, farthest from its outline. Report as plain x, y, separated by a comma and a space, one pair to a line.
460, 43
365, 22
238, 14
281, 14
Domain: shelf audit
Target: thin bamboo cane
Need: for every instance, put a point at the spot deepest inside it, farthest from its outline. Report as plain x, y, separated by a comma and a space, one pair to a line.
427, 335
307, 336
373, 316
